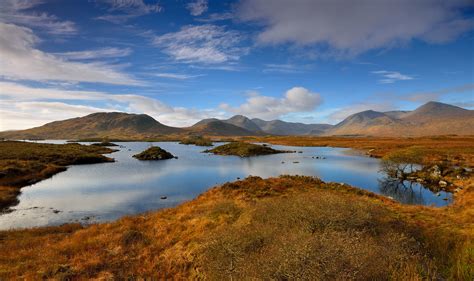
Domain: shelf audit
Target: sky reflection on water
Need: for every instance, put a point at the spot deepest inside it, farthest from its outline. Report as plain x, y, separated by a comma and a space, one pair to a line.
107, 191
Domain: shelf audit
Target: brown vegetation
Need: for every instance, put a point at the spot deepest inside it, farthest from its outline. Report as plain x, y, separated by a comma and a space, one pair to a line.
244, 149
24, 163
196, 140
454, 149
290, 227
154, 153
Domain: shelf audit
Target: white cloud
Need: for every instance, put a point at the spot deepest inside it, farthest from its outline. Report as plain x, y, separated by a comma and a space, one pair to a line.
197, 7
216, 17
176, 76
338, 114
422, 97
109, 52
353, 27
202, 44
297, 99
282, 68
389, 77
22, 61
19, 12
23, 107
121, 11
23, 115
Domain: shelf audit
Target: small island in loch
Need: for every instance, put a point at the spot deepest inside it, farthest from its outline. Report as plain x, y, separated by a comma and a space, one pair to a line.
244, 149
197, 140
154, 153
104, 143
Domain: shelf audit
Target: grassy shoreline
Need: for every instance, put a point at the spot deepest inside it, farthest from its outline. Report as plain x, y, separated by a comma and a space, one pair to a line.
378, 147
251, 228
25, 163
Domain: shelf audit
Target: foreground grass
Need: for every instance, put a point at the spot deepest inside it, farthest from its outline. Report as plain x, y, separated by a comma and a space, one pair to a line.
290, 227
24, 163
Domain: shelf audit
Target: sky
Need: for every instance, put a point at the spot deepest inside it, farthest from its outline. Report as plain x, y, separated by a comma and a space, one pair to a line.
310, 61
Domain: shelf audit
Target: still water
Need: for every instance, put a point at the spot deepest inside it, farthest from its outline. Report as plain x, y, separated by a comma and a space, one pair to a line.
107, 191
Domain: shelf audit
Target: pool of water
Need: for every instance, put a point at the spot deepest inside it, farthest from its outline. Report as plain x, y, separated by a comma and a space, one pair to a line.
107, 191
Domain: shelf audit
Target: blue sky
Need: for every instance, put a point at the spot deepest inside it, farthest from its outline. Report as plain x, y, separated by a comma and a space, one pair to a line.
181, 61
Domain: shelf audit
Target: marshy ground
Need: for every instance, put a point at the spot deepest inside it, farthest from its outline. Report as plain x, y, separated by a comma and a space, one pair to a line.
289, 227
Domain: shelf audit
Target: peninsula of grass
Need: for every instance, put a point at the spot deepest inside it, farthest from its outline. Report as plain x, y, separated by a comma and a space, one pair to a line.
25, 163
198, 141
290, 227
244, 149
154, 153
104, 143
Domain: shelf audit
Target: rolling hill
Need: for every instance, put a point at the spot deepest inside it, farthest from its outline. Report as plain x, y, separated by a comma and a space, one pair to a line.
215, 127
432, 118
97, 125
278, 127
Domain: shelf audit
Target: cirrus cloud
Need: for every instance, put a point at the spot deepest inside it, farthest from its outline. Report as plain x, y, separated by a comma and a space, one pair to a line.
197, 8
18, 12
208, 43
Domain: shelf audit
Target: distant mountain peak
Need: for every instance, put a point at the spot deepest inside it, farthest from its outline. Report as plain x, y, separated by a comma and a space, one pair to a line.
243, 122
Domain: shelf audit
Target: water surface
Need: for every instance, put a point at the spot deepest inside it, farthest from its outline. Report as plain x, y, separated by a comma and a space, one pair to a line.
107, 191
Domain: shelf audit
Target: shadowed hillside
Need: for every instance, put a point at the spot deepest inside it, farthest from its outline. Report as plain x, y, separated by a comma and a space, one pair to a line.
97, 125
278, 127
216, 127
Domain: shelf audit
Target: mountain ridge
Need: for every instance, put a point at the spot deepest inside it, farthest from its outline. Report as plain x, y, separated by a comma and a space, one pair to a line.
432, 118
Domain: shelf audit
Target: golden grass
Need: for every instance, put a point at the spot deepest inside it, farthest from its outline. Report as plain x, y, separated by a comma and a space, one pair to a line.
289, 227
458, 150
280, 228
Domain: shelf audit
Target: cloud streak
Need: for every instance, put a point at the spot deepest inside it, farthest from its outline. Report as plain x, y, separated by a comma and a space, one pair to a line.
18, 12
208, 44
102, 53
389, 77
21, 60
349, 28
197, 8
121, 11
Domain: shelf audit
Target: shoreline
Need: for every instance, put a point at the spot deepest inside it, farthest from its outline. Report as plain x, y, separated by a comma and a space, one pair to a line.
211, 213
19, 158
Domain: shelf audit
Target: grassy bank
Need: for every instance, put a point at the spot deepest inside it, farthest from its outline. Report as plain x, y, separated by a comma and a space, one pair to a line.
244, 149
457, 150
196, 140
281, 228
24, 163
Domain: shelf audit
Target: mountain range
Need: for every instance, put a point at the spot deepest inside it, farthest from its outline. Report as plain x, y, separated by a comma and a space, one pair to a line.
432, 118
